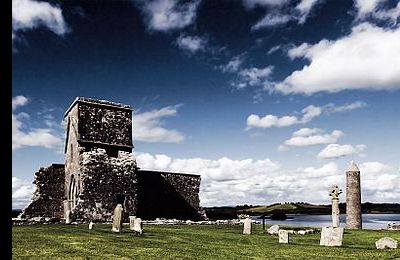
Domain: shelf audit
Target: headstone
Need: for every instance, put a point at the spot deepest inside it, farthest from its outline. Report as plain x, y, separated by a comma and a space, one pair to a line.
131, 222
138, 226
91, 224
273, 230
247, 226
331, 236
283, 236
117, 219
386, 242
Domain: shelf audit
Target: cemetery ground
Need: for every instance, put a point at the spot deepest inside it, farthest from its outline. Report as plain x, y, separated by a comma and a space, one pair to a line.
187, 241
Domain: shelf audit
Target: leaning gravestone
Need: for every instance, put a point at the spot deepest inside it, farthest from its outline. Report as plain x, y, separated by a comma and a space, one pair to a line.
138, 226
247, 226
132, 222
273, 230
283, 236
386, 242
117, 219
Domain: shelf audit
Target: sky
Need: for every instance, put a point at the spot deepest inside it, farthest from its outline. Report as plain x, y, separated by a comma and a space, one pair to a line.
268, 100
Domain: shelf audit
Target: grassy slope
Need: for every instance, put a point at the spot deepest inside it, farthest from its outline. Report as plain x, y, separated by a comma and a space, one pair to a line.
191, 242
292, 208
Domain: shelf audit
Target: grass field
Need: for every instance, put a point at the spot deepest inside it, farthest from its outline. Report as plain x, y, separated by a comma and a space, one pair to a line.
189, 242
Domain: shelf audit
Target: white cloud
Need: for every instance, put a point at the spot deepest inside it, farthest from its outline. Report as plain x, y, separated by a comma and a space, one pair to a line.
253, 77
314, 136
277, 15
30, 14
308, 113
274, 49
191, 43
304, 7
253, 3
226, 181
331, 108
376, 9
334, 151
367, 58
148, 126
379, 182
371, 168
22, 191
269, 121
365, 7
233, 65
166, 15
271, 20
42, 137
389, 14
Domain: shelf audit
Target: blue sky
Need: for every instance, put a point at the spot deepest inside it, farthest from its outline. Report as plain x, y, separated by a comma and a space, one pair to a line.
268, 100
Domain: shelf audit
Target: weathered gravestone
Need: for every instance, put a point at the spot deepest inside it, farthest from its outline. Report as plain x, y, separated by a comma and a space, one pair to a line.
283, 236
91, 224
331, 236
273, 230
131, 222
247, 225
386, 242
117, 219
138, 226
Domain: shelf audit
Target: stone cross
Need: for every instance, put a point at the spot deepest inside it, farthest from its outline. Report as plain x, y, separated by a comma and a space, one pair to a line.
247, 226
334, 193
117, 219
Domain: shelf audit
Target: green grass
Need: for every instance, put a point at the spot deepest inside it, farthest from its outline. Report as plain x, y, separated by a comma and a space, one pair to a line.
187, 242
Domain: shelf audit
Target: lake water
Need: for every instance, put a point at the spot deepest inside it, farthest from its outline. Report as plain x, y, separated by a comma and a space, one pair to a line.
370, 221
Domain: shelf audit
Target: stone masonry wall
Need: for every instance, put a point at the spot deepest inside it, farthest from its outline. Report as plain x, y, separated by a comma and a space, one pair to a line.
188, 186
47, 200
100, 124
105, 180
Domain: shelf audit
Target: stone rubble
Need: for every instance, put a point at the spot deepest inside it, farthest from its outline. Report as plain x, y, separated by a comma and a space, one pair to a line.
386, 242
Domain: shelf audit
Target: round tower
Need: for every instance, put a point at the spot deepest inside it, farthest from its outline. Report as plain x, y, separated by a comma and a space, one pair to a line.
353, 197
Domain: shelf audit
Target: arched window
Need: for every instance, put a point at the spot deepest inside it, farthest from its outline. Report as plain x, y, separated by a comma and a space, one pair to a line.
73, 192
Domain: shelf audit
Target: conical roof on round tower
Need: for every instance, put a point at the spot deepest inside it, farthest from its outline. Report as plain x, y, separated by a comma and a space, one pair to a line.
353, 167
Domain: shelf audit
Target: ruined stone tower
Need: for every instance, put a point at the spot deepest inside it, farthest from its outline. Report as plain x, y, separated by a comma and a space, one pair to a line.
353, 197
100, 170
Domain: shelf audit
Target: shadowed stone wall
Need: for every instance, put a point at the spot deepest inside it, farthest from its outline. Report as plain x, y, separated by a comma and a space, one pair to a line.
169, 195
47, 200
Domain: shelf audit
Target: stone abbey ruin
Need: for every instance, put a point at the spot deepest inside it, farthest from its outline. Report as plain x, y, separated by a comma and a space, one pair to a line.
100, 171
